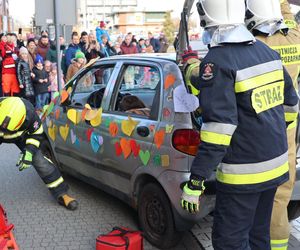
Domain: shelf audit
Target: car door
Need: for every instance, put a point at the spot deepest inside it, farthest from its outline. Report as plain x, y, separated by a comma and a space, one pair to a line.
129, 121
74, 148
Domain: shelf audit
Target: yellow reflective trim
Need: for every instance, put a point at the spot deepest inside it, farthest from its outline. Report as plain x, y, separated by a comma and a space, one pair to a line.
33, 142
215, 138
12, 136
291, 24
258, 81
55, 183
39, 131
267, 97
292, 125
290, 117
290, 54
240, 179
279, 244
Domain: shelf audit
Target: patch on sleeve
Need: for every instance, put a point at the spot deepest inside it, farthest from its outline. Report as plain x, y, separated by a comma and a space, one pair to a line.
208, 72
36, 125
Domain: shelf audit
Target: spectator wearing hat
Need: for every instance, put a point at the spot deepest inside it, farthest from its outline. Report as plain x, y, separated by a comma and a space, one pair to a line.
40, 83
78, 63
31, 47
24, 76
101, 31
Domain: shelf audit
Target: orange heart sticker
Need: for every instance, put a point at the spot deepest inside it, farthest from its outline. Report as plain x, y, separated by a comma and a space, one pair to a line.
64, 96
83, 114
57, 114
169, 81
126, 148
113, 129
159, 138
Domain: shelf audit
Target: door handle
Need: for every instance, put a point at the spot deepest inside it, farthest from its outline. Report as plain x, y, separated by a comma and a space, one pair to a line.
143, 131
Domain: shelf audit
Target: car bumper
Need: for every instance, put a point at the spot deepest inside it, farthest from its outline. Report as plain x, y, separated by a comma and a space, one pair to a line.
171, 181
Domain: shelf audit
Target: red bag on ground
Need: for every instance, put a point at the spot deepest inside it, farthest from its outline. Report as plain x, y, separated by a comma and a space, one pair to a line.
120, 239
5, 227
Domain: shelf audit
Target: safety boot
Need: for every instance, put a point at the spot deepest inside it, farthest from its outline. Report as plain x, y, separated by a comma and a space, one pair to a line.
68, 202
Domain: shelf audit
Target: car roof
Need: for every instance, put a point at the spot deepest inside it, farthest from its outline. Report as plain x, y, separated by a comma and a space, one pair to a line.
145, 56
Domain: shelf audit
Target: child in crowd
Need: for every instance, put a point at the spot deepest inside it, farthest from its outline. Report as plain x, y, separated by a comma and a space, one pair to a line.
77, 63
24, 76
40, 83
53, 80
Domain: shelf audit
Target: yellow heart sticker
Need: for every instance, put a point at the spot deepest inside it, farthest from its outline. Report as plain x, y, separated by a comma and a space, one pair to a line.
98, 119
169, 128
128, 126
165, 161
52, 131
74, 116
64, 131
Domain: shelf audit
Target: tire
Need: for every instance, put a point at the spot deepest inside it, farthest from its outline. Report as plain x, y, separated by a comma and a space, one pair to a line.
156, 217
293, 210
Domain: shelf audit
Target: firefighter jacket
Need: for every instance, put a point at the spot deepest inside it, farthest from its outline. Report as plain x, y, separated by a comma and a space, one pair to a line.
29, 134
243, 90
288, 46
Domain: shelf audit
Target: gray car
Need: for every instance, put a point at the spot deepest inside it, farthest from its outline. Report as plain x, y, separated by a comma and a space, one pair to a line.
115, 128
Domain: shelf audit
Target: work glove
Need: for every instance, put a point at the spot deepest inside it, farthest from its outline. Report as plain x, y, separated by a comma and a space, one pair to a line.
25, 160
192, 191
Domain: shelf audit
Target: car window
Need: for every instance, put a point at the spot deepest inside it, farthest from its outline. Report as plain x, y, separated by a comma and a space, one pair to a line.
94, 79
139, 91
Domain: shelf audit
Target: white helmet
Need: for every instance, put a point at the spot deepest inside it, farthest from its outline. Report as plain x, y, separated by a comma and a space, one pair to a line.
262, 12
221, 12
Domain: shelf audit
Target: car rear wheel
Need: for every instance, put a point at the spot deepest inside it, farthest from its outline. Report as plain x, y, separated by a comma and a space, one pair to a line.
156, 217
294, 210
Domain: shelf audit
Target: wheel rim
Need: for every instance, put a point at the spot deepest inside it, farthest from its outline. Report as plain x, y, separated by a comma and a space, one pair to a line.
155, 215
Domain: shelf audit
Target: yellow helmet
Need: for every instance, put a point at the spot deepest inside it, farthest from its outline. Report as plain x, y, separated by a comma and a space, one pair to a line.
12, 114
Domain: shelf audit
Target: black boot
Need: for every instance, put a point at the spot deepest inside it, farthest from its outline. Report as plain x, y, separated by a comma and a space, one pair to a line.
68, 202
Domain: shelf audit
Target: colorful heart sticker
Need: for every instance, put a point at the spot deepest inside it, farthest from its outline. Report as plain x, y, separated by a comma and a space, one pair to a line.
73, 136
107, 122
64, 96
166, 112
118, 148
55, 95
169, 128
135, 148
91, 114
96, 142
89, 134
169, 81
145, 156
64, 132
57, 114
52, 131
157, 160
165, 161
50, 108
74, 116
128, 126
126, 148
159, 138
98, 119
113, 129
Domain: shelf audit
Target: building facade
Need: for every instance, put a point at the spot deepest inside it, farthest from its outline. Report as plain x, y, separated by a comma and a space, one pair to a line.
5, 19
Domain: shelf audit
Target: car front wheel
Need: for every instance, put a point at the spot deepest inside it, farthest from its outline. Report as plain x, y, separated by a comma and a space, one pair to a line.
156, 218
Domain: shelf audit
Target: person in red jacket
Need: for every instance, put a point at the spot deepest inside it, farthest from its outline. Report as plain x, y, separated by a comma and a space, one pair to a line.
127, 47
43, 46
10, 84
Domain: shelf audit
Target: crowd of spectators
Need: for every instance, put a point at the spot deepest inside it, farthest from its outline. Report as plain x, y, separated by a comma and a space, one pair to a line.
29, 68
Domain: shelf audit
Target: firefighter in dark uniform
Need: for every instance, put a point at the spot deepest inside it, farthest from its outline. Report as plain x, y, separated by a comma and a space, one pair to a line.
243, 91
19, 124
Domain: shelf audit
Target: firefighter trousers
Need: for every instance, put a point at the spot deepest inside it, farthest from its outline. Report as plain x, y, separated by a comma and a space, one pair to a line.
280, 228
242, 220
49, 173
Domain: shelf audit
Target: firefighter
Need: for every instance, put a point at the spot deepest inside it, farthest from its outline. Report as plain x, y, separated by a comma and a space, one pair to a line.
243, 91
265, 20
20, 124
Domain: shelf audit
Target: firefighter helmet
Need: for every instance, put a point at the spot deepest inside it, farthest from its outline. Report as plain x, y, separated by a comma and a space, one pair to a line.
262, 12
12, 114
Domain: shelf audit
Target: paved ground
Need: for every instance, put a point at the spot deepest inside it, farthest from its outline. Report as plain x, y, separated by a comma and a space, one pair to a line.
41, 224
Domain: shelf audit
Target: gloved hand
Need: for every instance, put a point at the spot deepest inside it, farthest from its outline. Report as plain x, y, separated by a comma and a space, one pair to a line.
192, 191
25, 161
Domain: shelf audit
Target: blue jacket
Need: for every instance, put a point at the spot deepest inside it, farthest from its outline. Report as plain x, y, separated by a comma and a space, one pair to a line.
244, 94
155, 44
100, 32
70, 53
